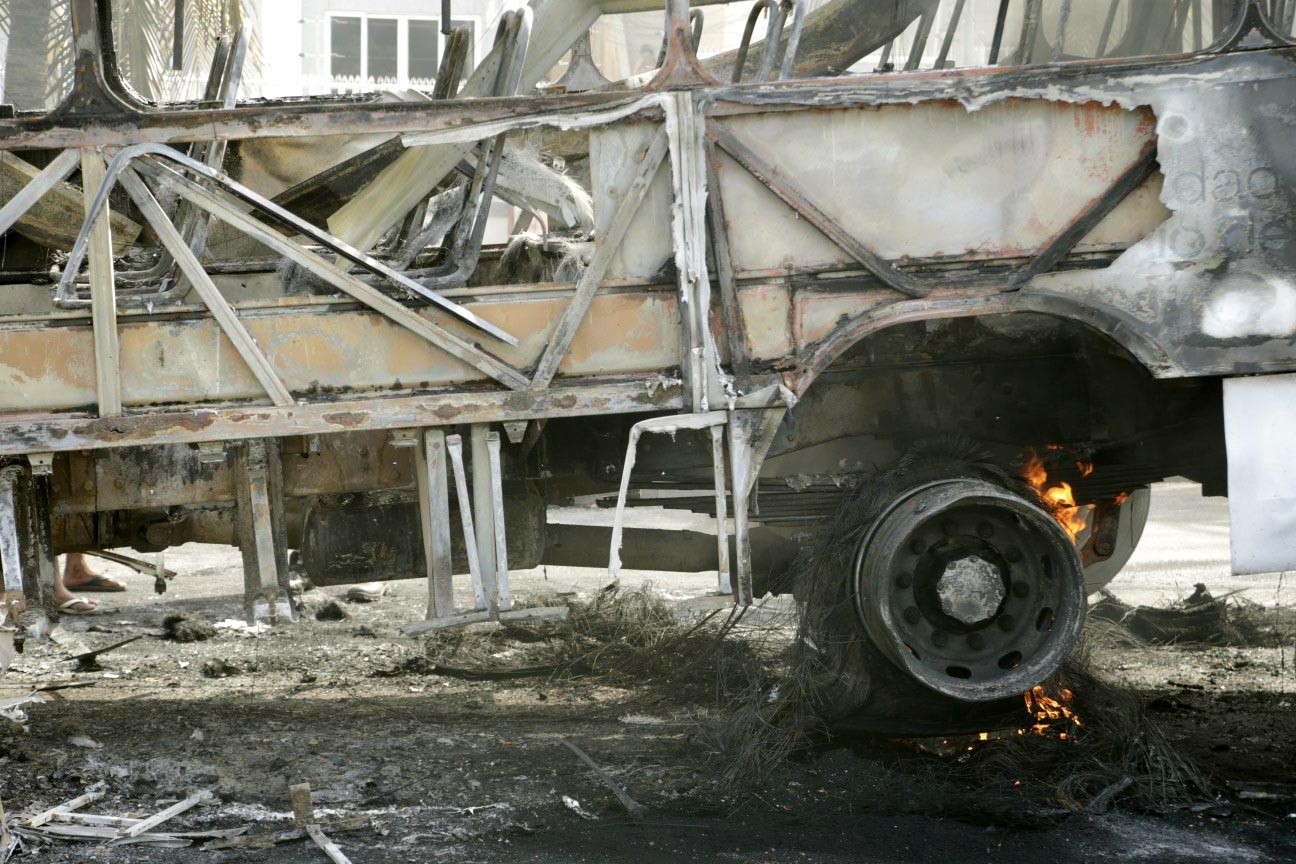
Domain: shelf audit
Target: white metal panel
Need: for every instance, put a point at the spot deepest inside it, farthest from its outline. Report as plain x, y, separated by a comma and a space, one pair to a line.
615, 153
1259, 414
936, 180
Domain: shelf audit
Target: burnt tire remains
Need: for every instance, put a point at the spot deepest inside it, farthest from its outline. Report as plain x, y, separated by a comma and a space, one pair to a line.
972, 590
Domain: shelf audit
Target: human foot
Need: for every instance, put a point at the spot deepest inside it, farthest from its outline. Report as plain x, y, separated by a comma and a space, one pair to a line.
79, 606
71, 604
77, 574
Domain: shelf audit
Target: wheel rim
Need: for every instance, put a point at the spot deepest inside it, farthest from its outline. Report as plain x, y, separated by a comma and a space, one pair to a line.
971, 589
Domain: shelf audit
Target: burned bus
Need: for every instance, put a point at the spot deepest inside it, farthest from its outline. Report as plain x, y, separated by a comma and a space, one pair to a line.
954, 280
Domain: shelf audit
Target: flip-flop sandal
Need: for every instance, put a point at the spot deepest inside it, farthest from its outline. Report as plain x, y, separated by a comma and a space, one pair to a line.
99, 584
66, 607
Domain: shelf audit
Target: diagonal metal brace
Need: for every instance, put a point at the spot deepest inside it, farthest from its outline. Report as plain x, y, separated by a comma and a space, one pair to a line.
339, 277
454, 446
220, 308
49, 177
607, 247
265, 205
795, 197
1094, 212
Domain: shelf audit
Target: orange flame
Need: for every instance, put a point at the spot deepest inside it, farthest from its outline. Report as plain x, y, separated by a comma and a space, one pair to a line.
1059, 498
1048, 713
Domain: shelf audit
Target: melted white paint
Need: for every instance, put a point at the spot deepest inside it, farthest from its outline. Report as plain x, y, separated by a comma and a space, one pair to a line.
1251, 305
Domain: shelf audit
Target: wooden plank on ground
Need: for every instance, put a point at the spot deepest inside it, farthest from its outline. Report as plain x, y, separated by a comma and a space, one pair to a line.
66, 807
163, 815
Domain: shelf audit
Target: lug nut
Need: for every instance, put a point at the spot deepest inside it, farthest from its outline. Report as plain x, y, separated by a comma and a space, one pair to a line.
1020, 589
904, 580
1013, 554
940, 638
912, 615
976, 641
916, 546
1007, 623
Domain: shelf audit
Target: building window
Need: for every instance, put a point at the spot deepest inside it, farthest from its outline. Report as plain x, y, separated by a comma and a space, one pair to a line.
345, 58
402, 51
424, 53
382, 40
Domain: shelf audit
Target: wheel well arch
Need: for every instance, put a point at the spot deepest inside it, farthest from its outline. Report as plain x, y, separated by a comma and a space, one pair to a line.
1010, 370
1116, 325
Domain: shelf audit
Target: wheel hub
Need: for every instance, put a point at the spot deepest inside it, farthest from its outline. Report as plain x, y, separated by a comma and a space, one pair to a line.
971, 589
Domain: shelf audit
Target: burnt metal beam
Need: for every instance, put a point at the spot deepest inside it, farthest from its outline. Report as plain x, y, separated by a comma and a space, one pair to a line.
178, 37
951, 29
11, 525
261, 532
341, 278
96, 239
50, 176
1001, 20
454, 446
1110, 20
213, 205
1059, 40
1094, 212
916, 50
735, 328
303, 118
293, 119
1025, 53
149, 426
791, 193
431, 474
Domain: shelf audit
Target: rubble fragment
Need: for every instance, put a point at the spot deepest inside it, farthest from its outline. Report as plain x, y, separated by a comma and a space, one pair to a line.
11, 709
182, 628
1201, 619
332, 611
215, 667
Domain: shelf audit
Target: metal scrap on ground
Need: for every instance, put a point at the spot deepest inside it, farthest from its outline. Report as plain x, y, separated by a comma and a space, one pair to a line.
66, 822
631, 805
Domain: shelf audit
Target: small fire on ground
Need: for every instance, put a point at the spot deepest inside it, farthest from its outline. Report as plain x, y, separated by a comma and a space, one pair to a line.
1058, 497
1051, 716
